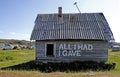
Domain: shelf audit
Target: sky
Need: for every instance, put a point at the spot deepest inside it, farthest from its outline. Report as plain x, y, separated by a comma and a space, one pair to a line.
17, 16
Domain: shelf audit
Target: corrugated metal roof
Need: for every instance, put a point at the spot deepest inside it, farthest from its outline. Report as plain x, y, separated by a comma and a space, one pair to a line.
71, 26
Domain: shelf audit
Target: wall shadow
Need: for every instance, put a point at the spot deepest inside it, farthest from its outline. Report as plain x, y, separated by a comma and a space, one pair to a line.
63, 67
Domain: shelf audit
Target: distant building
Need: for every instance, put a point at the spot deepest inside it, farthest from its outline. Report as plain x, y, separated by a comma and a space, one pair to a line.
111, 43
5, 46
8, 47
71, 37
116, 48
1, 44
32, 46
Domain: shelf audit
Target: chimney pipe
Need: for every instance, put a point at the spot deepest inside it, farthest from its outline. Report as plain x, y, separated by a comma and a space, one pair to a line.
59, 11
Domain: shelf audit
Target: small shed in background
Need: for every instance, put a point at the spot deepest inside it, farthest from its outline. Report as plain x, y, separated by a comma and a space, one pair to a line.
71, 37
115, 48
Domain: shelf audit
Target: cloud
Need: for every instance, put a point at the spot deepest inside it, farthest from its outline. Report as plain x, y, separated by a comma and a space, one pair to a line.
19, 36
12, 33
1, 32
24, 36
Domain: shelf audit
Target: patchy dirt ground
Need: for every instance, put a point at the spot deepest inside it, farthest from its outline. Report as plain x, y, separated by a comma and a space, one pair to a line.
57, 74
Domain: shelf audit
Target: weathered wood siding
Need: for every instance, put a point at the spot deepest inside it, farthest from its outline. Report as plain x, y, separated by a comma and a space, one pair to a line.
67, 51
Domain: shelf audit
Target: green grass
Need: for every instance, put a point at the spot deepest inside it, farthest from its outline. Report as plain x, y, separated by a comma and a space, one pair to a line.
14, 57
114, 57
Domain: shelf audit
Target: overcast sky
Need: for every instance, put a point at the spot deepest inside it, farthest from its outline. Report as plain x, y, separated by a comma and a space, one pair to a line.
17, 16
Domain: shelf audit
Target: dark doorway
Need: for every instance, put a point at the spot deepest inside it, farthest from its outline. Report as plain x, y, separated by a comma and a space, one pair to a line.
50, 50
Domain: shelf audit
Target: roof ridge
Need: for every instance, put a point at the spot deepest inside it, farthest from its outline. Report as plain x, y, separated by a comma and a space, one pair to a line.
70, 13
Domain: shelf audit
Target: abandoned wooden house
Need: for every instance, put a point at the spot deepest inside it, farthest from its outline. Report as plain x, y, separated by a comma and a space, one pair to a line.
71, 37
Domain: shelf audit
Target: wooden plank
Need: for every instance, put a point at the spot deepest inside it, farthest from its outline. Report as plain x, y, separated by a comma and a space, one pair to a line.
76, 50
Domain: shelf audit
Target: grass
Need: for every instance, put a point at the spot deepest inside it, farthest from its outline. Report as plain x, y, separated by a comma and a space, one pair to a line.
114, 57
15, 57
57, 74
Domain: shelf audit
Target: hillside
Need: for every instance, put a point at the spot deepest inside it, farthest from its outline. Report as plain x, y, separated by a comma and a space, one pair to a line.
13, 41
